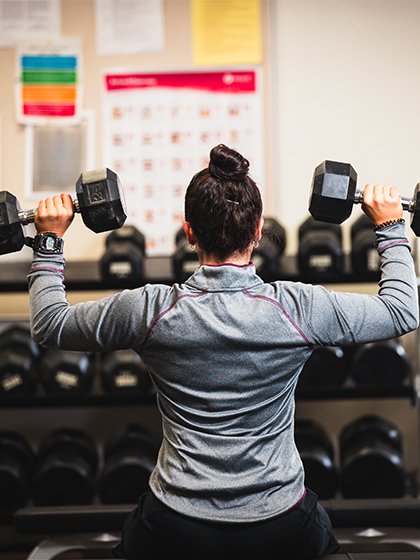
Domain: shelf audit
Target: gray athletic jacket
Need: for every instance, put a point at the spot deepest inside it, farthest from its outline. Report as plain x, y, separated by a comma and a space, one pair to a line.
224, 351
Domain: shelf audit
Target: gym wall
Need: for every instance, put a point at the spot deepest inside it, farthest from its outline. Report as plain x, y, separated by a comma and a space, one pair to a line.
340, 82
78, 20
347, 76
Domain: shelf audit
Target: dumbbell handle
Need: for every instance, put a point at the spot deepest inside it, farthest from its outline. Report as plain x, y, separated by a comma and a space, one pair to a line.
408, 204
28, 216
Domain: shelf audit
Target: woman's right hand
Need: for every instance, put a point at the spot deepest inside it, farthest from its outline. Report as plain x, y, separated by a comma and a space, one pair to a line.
382, 203
54, 214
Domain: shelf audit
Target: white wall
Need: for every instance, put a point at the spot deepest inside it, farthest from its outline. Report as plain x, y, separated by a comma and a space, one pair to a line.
347, 89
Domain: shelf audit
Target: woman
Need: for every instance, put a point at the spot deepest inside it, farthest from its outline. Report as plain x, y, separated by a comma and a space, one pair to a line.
224, 351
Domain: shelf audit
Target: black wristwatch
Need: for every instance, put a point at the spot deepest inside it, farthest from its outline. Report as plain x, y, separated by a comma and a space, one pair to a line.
48, 243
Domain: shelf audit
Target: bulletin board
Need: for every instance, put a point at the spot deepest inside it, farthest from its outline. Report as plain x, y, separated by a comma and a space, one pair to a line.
159, 129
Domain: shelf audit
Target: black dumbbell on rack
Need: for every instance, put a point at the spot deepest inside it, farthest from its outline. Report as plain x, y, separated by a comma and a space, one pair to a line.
184, 258
372, 459
66, 469
333, 193
270, 248
65, 372
124, 254
381, 364
17, 462
365, 260
326, 368
317, 453
320, 251
100, 201
19, 354
129, 459
123, 372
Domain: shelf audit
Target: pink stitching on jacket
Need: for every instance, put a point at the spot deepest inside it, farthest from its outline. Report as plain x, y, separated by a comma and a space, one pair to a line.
270, 300
403, 241
46, 269
155, 321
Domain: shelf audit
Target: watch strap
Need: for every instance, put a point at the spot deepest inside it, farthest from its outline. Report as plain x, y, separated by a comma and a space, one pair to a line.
48, 243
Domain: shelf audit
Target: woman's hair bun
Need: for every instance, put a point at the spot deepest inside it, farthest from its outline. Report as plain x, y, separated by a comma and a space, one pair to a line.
227, 164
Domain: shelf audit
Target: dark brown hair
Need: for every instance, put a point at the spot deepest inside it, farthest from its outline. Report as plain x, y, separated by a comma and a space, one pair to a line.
223, 204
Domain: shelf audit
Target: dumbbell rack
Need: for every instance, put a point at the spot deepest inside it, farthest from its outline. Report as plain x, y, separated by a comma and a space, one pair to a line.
83, 278
86, 275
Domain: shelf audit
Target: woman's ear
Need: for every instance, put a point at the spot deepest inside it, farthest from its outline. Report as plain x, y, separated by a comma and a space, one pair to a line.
189, 234
259, 228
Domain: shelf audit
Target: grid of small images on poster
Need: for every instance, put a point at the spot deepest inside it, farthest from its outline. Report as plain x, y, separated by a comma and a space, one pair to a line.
159, 129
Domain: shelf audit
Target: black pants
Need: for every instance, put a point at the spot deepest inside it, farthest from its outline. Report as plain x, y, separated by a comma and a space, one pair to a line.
152, 527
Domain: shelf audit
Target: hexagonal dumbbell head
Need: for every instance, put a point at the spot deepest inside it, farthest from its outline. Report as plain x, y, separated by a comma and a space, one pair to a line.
63, 371
320, 251
184, 258
12, 237
65, 472
271, 246
17, 336
18, 355
123, 371
365, 259
129, 460
332, 193
415, 216
101, 200
17, 460
123, 258
127, 233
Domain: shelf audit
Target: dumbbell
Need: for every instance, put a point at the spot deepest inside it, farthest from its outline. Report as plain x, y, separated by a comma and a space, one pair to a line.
17, 461
371, 459
123, 258
65, 372
129, 459
66, 469
184, 258
320, 250
326, 367
100, 201
383, 363
317, 454
124, 372
18, 358
333, 193
365, 260
271, 246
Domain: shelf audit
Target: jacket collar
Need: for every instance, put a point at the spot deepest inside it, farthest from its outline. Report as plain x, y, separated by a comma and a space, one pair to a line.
224, 277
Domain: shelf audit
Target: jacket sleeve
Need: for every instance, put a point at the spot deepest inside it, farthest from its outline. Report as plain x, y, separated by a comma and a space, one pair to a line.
115, 322
331, 318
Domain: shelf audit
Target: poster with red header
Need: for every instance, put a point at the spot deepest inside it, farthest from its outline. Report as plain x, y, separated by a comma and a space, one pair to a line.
159, 129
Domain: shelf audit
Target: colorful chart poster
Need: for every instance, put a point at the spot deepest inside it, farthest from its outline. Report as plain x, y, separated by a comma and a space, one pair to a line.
48, 80
159, 129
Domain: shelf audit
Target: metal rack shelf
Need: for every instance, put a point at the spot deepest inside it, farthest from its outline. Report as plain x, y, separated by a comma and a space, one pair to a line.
94, 400
85, 275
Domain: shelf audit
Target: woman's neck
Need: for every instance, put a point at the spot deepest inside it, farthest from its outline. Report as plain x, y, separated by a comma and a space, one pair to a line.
239, 259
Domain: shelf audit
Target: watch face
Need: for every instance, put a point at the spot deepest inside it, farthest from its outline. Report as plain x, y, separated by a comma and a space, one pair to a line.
49, 243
